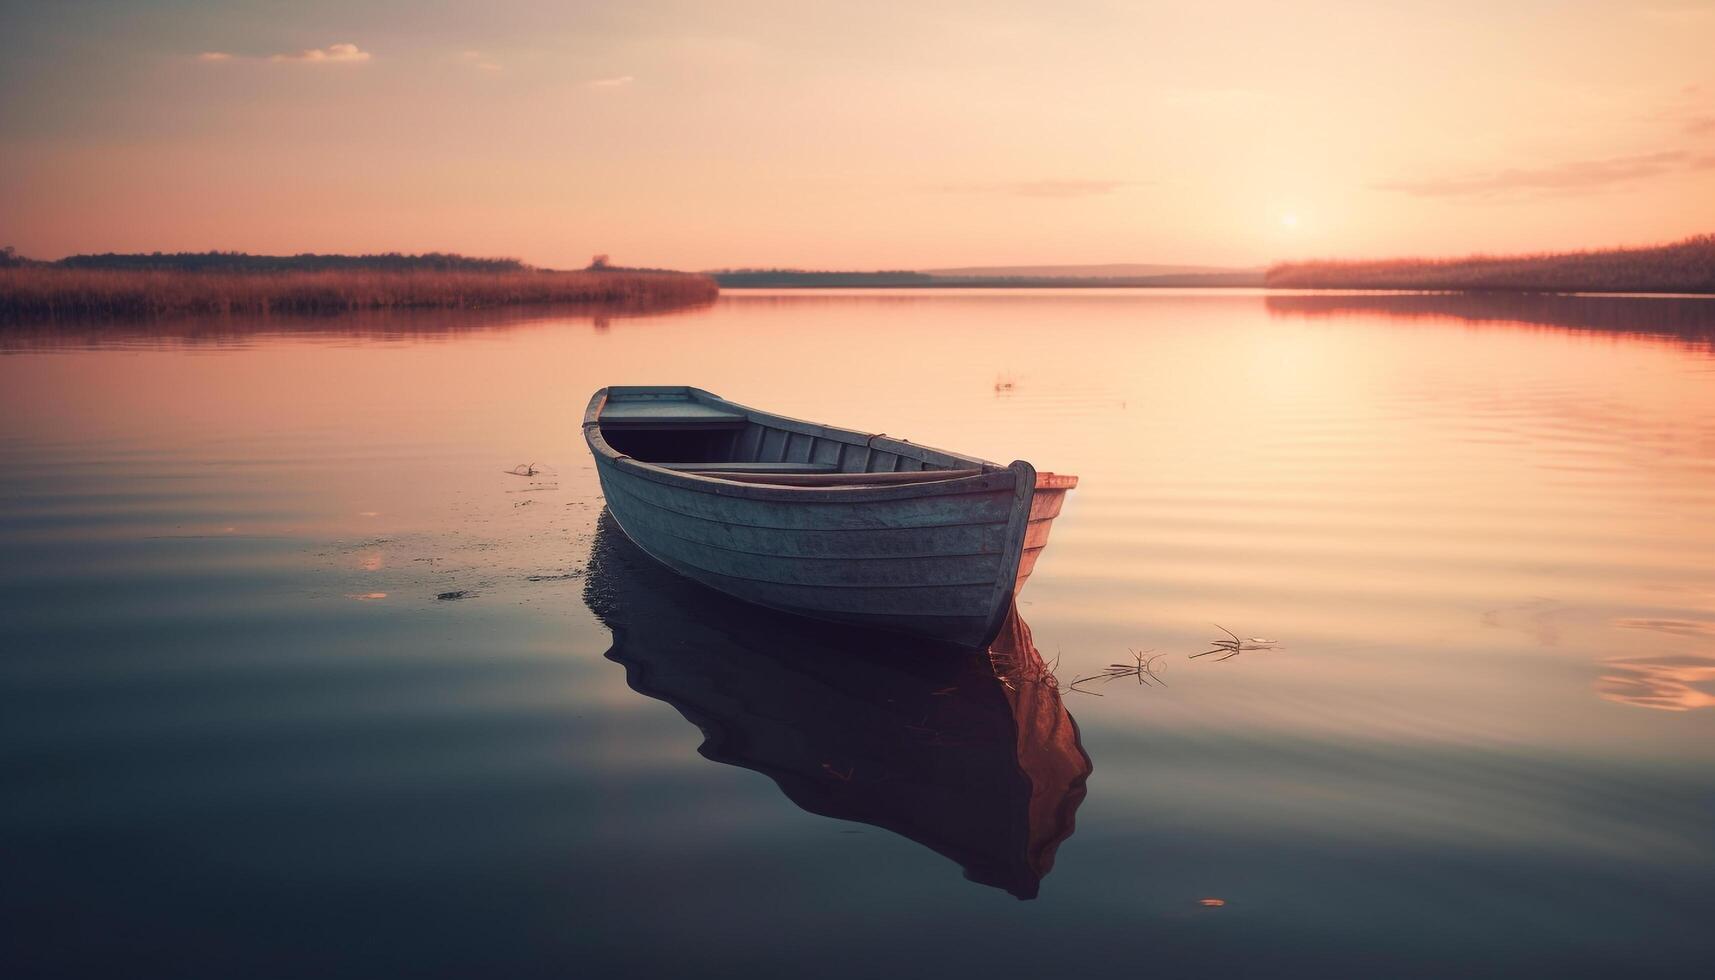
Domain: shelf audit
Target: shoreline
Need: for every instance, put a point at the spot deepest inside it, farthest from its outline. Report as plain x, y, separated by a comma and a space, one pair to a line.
1682, 267
31, 294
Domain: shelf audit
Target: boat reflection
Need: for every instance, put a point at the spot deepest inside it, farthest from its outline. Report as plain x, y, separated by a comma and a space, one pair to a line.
968, 753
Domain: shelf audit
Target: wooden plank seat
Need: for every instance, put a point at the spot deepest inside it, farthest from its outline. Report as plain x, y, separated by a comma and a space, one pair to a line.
733, 466
790, 479
668, 415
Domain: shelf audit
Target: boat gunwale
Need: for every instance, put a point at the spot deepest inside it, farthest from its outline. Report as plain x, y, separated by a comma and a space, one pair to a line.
890, 528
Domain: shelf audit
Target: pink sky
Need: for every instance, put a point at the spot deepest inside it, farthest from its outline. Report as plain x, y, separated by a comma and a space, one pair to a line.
859, 136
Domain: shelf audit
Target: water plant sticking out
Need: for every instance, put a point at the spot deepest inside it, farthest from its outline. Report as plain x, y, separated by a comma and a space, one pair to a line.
1143, 668
1233, 645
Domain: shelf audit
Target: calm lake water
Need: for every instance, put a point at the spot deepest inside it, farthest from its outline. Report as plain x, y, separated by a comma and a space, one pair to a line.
297, 680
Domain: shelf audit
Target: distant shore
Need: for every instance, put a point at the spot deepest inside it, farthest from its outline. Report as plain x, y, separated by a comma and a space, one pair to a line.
1682, 267
904, 279
82, 290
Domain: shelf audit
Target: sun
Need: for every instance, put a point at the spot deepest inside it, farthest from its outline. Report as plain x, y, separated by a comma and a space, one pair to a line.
1289, 220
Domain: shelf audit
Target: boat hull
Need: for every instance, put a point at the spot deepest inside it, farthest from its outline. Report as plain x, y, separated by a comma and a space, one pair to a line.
939, 559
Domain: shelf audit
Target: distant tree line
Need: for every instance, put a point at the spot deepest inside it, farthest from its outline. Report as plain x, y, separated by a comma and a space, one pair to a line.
776, 278
900, 279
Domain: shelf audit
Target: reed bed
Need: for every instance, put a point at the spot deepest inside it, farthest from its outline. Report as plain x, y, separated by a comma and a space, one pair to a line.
52, 292
1683, 267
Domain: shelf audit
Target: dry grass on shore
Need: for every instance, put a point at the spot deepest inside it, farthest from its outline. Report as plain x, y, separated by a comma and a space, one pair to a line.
1683, 267
48, 292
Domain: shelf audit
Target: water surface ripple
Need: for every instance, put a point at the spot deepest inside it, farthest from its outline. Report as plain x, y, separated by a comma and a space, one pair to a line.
296, 679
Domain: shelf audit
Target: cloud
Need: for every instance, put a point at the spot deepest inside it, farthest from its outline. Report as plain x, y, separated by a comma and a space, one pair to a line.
1058, 188
1687, 111
1576, 177
476, 60
331, 53
214, 56
615, 82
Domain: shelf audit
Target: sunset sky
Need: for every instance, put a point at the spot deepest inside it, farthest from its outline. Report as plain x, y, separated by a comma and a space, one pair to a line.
860, 135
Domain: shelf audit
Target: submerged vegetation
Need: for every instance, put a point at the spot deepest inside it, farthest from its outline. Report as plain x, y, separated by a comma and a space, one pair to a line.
1683, 267
219, 283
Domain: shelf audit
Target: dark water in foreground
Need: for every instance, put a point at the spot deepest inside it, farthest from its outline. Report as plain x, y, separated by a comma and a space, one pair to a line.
296, 681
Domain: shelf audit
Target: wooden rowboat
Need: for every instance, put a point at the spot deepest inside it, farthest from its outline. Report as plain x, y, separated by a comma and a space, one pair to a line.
830, 523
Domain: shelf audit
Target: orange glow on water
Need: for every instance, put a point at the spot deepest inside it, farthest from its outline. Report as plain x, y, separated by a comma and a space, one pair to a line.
1478, 527
1681, 683
1427, 511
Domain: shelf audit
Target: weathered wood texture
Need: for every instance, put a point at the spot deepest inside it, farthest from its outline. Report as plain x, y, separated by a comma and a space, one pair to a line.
796, 478
936, 555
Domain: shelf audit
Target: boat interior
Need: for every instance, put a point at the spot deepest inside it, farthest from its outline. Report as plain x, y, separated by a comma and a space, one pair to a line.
684, 433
